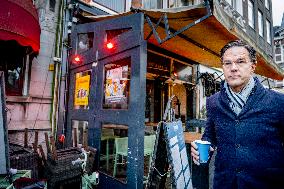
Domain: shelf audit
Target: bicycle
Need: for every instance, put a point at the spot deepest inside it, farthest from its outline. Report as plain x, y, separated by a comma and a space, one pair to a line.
87, 181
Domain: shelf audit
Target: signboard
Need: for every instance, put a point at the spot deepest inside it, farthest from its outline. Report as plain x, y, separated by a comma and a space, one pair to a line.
170, 150
82, 90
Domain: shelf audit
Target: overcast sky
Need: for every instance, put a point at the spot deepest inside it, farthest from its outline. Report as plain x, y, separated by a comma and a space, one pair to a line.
277, 11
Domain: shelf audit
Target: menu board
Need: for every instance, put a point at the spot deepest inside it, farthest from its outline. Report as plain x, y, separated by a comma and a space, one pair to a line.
177, 155
170, 151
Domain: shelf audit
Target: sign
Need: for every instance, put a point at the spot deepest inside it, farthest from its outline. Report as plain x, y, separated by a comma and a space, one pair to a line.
82, 90
170, 151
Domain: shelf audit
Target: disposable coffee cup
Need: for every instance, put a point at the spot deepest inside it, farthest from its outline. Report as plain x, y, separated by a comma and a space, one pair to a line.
203, 149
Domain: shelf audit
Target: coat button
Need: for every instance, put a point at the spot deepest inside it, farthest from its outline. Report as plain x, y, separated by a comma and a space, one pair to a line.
238, 170
238, 145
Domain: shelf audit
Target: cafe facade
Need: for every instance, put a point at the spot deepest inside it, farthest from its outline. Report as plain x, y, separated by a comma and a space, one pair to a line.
124, 68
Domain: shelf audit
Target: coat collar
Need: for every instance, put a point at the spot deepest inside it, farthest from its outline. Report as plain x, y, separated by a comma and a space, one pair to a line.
257, 92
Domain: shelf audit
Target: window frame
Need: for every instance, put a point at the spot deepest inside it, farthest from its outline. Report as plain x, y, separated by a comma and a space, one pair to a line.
260, 23
268, 31
251, 19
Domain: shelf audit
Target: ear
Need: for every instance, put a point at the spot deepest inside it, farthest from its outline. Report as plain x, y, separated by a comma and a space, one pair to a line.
253, 66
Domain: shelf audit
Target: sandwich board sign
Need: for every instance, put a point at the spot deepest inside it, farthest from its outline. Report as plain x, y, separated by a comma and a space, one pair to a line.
169, 156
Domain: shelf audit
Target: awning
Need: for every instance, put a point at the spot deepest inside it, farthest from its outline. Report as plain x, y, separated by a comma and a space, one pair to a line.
202, 42
19, 21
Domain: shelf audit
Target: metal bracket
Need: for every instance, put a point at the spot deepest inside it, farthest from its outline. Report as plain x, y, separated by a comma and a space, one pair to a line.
169, 34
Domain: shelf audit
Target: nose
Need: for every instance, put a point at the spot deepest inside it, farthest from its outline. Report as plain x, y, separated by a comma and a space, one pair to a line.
234, 67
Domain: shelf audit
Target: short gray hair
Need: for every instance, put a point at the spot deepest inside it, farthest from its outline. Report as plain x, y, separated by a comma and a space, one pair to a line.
239, 43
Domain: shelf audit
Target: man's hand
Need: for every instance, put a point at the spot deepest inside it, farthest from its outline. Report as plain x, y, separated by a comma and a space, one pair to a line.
195, 153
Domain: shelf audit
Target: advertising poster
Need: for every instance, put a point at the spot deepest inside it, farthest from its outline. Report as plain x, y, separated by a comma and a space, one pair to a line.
115, 86
82, 89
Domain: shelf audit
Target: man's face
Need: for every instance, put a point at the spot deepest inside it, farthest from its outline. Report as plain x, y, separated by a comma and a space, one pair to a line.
237, 67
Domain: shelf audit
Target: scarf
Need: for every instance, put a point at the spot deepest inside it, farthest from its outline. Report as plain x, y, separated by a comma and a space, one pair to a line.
238, 100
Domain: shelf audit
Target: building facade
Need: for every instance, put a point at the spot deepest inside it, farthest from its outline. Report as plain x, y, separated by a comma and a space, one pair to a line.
279, 48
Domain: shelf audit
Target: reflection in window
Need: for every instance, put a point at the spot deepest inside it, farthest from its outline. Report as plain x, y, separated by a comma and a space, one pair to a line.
13, 64
82, 89
85, 42
114, 150
116, 84
79, 133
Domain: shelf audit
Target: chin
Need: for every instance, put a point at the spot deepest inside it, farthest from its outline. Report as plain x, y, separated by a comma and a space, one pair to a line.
235, 83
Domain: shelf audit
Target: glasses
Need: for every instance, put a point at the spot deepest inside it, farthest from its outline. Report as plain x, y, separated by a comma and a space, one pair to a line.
238, 63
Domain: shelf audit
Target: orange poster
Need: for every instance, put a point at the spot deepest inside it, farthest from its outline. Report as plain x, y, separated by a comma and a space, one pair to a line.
82, 90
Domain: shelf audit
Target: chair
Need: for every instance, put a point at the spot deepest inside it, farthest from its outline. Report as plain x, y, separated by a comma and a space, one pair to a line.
107, 134
121, 148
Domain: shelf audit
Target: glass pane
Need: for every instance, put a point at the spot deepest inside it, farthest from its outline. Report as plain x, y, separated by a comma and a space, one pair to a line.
260, 23
183, 72
158, 65
117, 84
250, 14
85, 42
79, 133
149, 144
114, 151
82, 89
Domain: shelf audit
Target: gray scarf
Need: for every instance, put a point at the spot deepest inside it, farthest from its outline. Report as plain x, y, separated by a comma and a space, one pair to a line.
238, 100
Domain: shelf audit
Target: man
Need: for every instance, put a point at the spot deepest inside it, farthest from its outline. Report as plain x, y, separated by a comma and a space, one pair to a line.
245, 125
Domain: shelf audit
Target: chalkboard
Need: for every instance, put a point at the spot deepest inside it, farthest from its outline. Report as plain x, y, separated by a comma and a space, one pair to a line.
170, 151
4, 155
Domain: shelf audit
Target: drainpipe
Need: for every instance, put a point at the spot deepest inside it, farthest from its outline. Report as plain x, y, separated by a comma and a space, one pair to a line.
57, 69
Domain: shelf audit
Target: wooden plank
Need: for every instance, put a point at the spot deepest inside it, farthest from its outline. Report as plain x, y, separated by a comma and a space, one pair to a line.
35, 142
47, 142
54, 153
26, 138
75, 137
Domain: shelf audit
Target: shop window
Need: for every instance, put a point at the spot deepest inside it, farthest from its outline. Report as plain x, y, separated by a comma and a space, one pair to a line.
117, 84
13, 64
114, 150
158, 65
80, 133
85, 42
182, 72
82, 89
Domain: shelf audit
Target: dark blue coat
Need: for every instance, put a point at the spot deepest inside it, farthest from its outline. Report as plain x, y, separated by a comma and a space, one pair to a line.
250, 147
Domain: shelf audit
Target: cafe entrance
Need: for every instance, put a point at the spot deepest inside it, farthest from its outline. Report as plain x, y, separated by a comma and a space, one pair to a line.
119, 88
